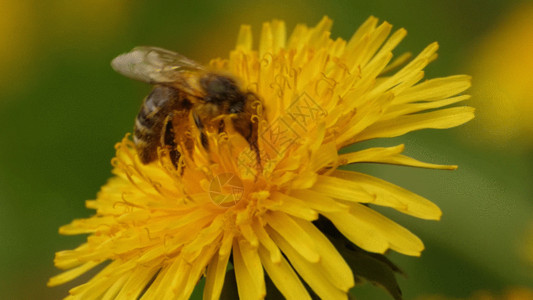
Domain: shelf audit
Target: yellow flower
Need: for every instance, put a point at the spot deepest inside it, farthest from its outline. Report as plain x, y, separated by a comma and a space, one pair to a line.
162, 230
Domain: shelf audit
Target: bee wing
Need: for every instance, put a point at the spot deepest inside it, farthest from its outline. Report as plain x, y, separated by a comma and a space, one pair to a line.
154, 65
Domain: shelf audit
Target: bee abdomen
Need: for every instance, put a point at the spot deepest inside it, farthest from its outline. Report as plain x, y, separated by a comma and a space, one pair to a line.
149, 122
146, 142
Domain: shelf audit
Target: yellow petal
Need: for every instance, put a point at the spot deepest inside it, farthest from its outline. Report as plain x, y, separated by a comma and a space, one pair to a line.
434, 89
150, 293
81, 226
317, 33
409, 74
267, 242
248, 271
410, 108
280, 35
244, 38
318, 201
166, 277
67, 259
216, 272
398, 238
326, 156
342, 189
389, 155
197, 269
397, 62
440, 119
205, 237
377, 39
419, 62
368, 115
72, 273
393, 41
296, 236
173, 279
266, 41
367, 27
284, 277
113, 290
97, 286
359, 232
296, 39
249, 234
373, 232
334, 267
227, 241
137, 282
394, 196
292, 206
312, 273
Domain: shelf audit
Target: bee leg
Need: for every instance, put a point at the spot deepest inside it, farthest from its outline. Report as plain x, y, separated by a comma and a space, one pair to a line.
182, 131
169, 140
203, 136
188, 143
221, 126
203, 139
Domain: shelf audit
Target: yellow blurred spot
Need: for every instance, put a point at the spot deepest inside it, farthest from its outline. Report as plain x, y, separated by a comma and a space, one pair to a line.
16, 33
503, 81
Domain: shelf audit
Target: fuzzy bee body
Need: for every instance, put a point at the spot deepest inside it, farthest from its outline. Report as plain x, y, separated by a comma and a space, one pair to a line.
152, 124
184, 90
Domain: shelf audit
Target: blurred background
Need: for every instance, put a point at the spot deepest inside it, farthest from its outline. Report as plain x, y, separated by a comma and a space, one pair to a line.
62, 109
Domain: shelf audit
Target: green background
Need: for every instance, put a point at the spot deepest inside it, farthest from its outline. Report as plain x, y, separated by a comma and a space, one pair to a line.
62, 109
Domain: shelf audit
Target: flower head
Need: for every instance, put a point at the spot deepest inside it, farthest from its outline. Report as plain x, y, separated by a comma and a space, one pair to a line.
163, 228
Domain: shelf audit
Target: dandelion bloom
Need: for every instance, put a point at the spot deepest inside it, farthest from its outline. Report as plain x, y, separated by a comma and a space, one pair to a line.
162, 229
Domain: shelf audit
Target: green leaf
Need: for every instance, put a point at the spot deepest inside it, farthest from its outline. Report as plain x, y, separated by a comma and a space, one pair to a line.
375, 268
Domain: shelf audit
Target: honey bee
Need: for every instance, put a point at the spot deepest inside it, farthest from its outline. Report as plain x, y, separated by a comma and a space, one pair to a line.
184, 93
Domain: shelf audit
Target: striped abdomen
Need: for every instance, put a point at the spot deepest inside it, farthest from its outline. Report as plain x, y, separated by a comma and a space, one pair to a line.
150, 122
